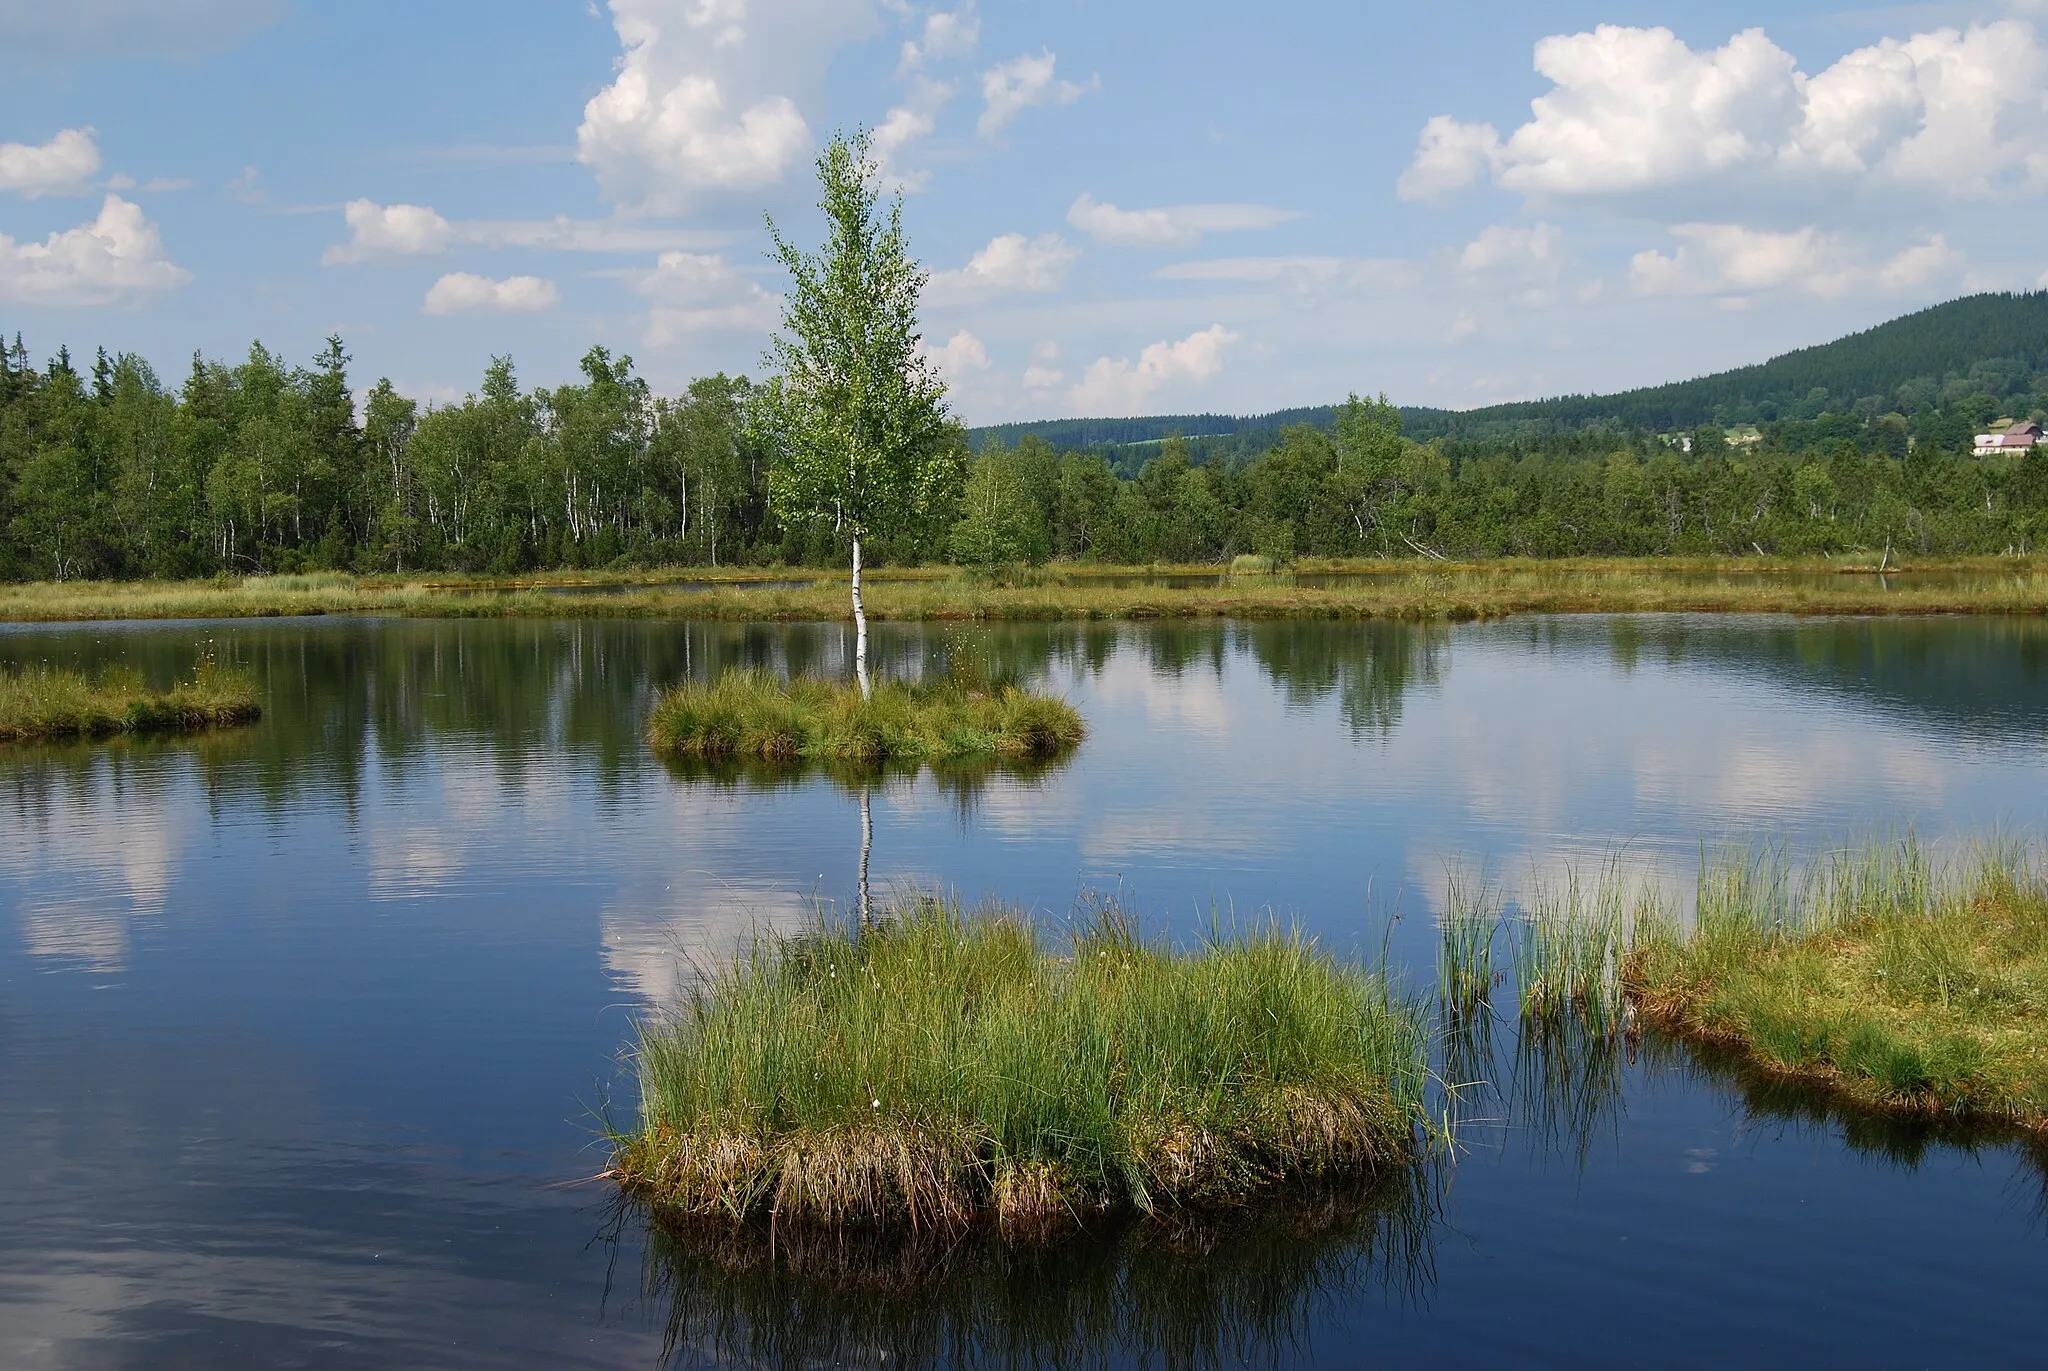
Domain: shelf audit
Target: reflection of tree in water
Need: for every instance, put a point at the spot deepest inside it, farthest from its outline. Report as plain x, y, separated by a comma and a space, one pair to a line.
1185, 1291
1369, 667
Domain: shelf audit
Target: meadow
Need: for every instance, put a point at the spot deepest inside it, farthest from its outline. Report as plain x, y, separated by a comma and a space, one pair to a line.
1417, 590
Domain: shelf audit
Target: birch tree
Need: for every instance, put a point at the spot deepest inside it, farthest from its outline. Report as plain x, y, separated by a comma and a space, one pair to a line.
854, 415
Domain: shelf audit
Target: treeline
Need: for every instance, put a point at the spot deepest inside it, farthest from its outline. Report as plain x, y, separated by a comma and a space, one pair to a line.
264, 467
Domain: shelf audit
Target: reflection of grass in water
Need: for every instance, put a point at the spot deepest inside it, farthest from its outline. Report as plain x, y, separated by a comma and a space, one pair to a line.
41, 703
1187, 1290
752, 714
944, 1068
1901, 987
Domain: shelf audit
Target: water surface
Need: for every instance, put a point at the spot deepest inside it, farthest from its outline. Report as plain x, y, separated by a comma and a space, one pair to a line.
304, 1028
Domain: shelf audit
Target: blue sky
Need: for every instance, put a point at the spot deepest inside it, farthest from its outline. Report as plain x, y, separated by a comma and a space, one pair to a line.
1128, 208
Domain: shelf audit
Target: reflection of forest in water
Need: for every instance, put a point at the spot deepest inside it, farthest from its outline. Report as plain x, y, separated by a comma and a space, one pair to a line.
343, 696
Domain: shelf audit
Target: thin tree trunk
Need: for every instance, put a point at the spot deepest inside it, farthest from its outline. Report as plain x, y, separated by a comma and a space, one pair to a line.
867, 843
860, 630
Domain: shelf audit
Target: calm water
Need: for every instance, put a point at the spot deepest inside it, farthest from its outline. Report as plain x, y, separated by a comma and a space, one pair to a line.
304, 1028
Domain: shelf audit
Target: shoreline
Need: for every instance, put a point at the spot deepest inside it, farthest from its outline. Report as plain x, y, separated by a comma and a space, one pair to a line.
1411, 591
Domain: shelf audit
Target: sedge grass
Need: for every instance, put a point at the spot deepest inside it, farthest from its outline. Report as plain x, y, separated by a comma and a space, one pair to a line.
753, 715
1895, 984
1399, 590
41, 703
942, 1069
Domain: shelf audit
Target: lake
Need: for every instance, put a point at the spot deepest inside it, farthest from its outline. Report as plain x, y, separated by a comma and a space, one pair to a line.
306, 1029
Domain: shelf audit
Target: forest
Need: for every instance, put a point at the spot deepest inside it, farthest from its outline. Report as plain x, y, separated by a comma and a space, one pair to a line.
267, 466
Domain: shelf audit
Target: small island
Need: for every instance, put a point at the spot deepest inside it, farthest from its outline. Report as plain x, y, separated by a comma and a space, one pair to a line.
1889, 984
39, 703
939, 1069
754, 716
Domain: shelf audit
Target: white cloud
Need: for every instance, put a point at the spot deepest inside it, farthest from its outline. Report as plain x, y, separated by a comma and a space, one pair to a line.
1010, 264
1042, 374
462, 292
1117, 386
1536, 250
118, 259
706, 99
1319, 275
696, 293
1729, 259
417, 231
947, 34
1010, 88
149, 27
1170, 226
905, 125
390, 231
1633, 110
62, 166
1449, 156
960, 356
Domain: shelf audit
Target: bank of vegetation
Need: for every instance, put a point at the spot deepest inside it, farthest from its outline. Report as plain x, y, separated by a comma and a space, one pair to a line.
264, 466
1875, 975
1414, 590
756, 716
42, 702
942, 1069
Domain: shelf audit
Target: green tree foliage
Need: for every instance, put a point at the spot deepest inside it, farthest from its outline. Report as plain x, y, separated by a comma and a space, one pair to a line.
855, 416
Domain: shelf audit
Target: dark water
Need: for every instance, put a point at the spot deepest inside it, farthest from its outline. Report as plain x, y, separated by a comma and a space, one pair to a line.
303, 1028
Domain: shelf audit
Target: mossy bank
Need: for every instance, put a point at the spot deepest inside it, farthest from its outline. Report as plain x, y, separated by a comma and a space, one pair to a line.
941, 1069
43, 703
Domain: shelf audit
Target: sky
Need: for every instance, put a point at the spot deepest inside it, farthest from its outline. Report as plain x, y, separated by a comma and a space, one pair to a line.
1126, 208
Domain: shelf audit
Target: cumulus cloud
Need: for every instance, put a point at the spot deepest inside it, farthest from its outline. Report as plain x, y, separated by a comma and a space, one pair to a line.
904, 126
383, 231
696, 293
109, 27
961, 355
1730, 259
1171, 226
1115, 386
1632, 110
118, 259
462, 292
1318, 276
1010, 264
1537, 249
947, 34
710, 96
390, 231
1022, 83
63, 166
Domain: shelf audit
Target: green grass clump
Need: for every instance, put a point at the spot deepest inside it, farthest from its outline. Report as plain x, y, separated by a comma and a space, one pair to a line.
1898, 986
41, 702
941, 1069
754, 715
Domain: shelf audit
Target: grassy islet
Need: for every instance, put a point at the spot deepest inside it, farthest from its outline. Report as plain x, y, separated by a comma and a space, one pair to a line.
43, 702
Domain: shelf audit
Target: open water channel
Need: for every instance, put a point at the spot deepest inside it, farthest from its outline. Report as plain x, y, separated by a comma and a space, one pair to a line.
304, 1028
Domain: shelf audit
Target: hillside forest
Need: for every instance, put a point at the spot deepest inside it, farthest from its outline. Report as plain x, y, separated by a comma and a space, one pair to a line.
107, 470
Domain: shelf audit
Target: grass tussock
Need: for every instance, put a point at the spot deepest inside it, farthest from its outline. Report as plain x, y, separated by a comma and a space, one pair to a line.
1374, 589
752, 715
1896, 985
41, 702
942, 1069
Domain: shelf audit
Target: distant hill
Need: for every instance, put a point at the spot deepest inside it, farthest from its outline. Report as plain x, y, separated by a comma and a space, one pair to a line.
1994, 345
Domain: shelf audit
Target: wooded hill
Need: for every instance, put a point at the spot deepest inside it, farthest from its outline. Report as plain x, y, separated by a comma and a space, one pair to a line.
1993, 346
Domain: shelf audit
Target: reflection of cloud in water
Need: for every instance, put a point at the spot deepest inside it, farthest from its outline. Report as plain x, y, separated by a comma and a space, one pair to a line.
652, 945
1193, 699
85, 867
82, 933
